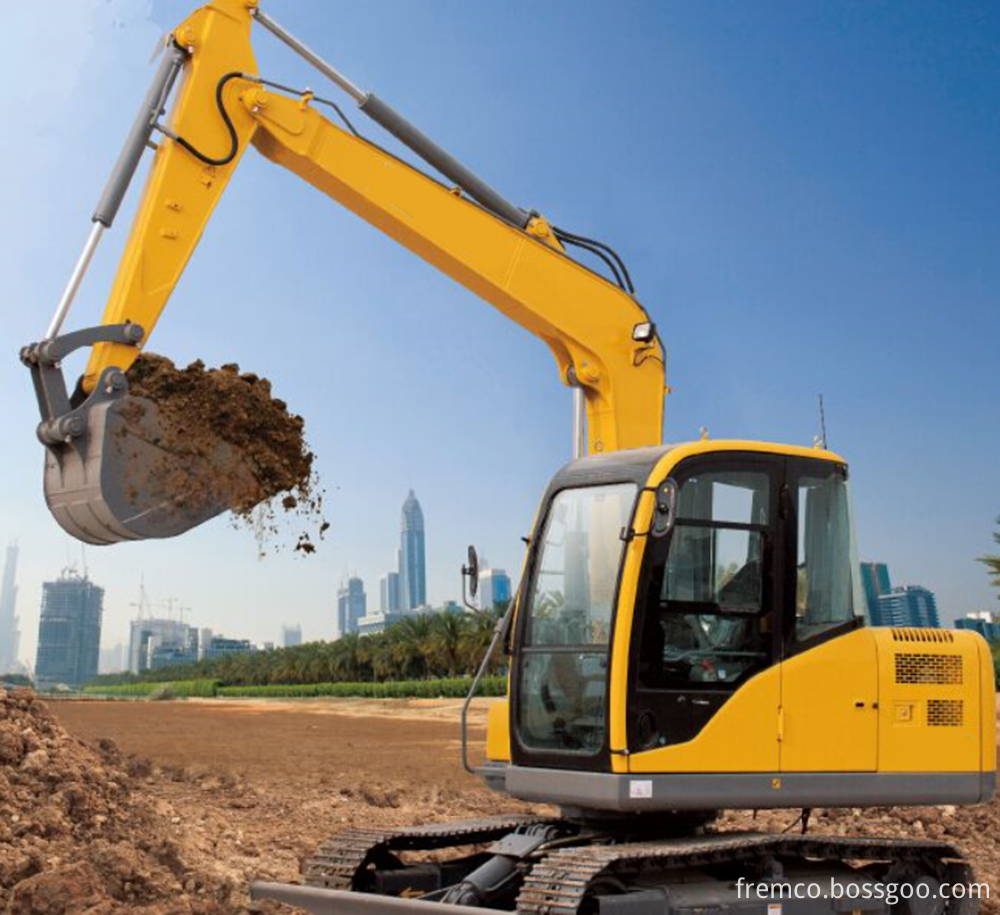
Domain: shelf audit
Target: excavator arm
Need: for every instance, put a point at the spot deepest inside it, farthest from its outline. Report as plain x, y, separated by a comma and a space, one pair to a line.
603, 341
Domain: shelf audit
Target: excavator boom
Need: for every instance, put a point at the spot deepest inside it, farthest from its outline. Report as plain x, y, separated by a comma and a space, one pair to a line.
603, 341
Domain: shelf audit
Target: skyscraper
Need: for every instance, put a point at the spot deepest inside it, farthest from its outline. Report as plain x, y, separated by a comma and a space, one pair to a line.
388, 587
291, 636
875, 580
352, 604
10, 636
494, 589
69, 631
412, 559
983, 622
147, 635
908, 606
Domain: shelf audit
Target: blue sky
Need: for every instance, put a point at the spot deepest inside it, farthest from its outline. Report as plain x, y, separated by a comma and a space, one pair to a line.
807, 194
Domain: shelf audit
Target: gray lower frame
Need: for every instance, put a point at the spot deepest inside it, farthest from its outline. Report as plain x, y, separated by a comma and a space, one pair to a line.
641, 792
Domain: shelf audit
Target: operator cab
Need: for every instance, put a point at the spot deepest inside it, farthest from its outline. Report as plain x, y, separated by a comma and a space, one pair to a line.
754, 563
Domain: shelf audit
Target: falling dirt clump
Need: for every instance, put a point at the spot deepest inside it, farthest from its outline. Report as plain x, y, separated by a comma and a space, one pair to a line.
74, 840
230, 442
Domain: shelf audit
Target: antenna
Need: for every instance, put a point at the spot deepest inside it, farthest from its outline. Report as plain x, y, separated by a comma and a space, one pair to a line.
822, 422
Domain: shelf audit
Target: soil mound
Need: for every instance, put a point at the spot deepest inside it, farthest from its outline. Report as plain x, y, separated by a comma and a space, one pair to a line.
231, 443
73, 840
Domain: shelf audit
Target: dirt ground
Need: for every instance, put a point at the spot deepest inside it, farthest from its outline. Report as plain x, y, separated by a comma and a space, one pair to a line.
249, 788
306, 745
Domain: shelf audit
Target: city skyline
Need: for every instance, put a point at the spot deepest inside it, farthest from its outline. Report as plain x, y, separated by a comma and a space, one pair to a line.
910, 604
804, 193
401, 591
887, 604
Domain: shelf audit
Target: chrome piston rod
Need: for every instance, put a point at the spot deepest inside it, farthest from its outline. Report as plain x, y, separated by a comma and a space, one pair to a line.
121, 176
75, 279
579, 423
410, 136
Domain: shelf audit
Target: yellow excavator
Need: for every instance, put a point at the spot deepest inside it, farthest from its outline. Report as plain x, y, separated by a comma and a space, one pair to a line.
688, 634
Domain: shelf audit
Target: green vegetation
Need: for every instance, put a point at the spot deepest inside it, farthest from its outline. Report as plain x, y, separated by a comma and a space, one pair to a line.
992, 563
453, 687
15, 681
433, 649
204, 689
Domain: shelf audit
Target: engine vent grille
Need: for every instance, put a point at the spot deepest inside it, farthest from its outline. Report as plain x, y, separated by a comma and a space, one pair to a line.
922, 635
943, 669
944, 713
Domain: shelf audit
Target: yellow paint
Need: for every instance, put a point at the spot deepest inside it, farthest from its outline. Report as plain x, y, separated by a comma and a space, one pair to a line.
674, 456
987, 708
834, 708
825, 730
907, 743
498, 731
741, 737
618, 690
180, 192
586, 321
755, 749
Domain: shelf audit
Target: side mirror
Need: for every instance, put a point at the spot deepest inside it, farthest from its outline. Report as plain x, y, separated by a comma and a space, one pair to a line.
471, 572
665, 510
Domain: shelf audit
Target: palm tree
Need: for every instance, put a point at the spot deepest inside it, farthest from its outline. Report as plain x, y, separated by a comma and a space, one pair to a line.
444, 647
992, 563
478, 635
412, 638
349, 658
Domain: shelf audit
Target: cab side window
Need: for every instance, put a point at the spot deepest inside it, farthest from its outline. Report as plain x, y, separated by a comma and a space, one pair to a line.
825, 568
706, 618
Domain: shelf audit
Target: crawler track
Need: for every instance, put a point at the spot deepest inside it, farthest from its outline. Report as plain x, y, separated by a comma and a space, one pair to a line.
561, 882
340, 862
564, 880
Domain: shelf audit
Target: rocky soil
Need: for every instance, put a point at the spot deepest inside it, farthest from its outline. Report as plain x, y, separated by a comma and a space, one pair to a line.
74, 837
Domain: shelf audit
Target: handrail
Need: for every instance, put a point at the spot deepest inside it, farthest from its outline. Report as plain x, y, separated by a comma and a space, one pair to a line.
499, 633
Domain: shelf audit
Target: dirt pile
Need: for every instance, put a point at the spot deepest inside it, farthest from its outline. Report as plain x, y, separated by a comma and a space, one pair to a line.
231, 443
73, 838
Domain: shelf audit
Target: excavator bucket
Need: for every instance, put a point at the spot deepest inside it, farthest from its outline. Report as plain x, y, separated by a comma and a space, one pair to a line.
119, 481
110, 473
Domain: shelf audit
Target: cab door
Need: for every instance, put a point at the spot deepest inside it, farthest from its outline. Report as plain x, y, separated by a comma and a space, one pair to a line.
704, 689
829, 679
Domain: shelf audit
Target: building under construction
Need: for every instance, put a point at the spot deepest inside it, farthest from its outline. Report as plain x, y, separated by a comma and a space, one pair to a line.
10, 635
69, 631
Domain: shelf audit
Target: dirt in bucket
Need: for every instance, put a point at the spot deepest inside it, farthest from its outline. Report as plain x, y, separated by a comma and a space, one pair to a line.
230, 442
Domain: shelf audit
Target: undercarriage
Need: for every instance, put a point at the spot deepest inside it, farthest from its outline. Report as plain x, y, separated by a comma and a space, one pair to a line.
662, 865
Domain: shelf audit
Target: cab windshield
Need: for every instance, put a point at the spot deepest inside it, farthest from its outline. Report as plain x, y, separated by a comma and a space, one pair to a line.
571, 600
